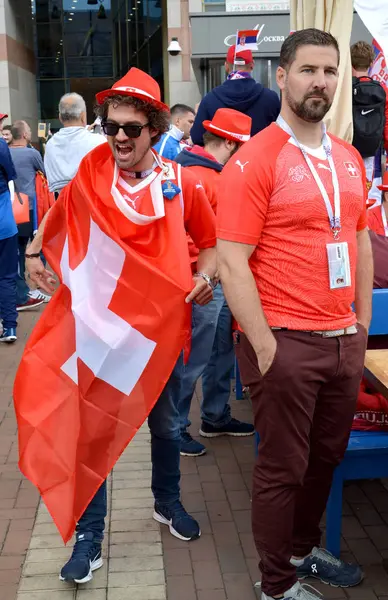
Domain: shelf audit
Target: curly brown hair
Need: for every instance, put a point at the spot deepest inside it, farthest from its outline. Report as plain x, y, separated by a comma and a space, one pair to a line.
158, 119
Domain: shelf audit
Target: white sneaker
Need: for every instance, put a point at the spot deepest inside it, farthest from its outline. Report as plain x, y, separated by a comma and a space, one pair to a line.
38, 295
298, 592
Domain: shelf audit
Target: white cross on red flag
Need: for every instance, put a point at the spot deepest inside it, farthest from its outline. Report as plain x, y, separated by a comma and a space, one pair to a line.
106, 343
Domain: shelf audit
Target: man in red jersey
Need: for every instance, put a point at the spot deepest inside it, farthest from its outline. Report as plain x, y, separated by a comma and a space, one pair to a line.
294, 254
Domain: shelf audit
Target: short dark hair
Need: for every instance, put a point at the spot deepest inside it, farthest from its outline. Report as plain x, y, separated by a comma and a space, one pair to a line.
212, 138
305, 37
157, 119
181, 109
7, 128
362, 55
18, 129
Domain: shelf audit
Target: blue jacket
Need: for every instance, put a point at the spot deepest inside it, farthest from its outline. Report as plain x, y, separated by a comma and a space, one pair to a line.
245, 95
169, 145
7, 173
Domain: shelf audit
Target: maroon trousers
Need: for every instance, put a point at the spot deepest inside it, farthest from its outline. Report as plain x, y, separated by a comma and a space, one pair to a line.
303, 410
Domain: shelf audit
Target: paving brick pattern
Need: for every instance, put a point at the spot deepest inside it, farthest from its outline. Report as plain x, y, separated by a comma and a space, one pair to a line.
18, 498
144, 562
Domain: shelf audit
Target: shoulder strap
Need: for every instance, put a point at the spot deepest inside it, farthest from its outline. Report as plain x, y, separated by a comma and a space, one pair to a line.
17, 192
179, 178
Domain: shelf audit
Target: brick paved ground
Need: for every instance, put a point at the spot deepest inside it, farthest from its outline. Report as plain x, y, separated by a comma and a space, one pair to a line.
139, 557
18, 498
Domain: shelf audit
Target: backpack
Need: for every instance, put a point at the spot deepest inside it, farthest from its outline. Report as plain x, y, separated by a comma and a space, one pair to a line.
369, 101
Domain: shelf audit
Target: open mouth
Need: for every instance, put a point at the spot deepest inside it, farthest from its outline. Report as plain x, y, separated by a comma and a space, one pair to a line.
124, 151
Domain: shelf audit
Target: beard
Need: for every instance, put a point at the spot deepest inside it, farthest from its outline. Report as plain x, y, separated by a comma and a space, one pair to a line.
310, 109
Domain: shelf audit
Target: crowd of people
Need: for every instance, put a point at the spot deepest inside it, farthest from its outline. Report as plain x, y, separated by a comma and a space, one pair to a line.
287, 203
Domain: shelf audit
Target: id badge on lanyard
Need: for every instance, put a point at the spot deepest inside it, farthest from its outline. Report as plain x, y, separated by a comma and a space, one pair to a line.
337, 252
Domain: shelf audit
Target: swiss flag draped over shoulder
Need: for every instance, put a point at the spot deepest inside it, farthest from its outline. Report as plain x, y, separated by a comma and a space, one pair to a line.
107, 342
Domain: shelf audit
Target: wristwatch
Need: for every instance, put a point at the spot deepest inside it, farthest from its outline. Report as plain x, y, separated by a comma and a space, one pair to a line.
206, 277
35, 255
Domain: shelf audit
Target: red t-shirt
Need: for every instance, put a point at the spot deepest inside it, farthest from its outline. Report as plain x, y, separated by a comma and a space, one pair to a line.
209, 179
269, 199
375, 220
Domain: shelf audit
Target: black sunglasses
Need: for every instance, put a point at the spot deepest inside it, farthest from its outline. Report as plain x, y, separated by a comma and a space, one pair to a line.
131, 131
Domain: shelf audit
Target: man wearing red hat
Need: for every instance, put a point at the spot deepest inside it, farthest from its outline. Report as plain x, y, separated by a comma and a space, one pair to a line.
125, 201
239, 92
212, 352
377, 216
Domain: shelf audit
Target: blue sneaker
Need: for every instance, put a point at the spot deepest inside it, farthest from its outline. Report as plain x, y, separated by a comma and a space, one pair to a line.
181, 524
234, 428
85, 559
322, 565
190, 447
9, 335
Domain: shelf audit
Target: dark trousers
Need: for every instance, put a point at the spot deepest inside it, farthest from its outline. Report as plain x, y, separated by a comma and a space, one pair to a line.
164, 425
22, 243
303, 410
22, 288
8, 273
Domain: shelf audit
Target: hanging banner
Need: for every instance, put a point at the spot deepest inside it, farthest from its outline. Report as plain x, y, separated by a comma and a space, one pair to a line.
374, 14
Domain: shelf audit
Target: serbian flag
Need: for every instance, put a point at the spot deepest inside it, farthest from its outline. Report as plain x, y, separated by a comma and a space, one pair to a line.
379, 68
107, 342
247, 40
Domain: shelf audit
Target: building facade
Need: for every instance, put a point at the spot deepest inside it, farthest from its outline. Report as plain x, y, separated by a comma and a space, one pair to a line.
211, 28
51, 47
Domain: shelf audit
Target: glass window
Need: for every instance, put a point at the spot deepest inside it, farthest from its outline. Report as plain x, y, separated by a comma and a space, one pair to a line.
50, 93
49, 39
84, 46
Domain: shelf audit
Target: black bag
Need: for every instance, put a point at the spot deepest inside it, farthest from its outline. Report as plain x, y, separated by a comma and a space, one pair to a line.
369, 102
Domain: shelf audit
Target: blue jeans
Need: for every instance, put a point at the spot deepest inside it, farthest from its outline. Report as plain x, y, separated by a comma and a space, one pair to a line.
8, 273
212, 356
163, 422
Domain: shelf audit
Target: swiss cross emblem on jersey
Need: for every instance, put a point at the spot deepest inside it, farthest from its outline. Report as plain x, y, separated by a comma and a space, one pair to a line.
352, 169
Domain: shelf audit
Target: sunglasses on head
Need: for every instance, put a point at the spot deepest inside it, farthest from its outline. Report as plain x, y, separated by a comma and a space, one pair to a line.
131, 131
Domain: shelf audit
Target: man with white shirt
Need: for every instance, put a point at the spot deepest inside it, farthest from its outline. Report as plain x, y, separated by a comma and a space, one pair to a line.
66, 149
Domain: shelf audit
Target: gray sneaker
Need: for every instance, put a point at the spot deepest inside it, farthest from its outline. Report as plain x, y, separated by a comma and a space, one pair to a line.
298, 592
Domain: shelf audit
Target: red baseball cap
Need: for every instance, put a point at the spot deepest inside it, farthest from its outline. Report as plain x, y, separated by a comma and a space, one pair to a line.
245, 57
138, 84
230, 124
3, 116
384, 186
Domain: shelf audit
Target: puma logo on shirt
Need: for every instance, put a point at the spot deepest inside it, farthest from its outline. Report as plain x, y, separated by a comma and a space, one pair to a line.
241, 165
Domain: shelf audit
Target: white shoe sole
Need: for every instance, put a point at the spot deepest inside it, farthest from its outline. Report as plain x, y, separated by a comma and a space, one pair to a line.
334, 585
9, 340
214, 435
97, 564
22, 308
182, 453
160, 519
